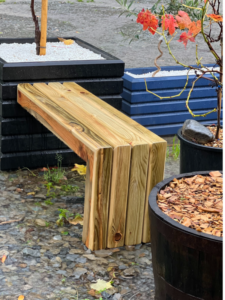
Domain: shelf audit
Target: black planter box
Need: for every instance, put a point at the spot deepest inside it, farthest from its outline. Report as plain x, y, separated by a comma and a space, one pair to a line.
20, 133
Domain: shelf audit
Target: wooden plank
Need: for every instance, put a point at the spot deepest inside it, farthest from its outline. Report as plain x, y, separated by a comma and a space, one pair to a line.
117, 214
157, 149
91, 148
156, 174
121, 153
138, 175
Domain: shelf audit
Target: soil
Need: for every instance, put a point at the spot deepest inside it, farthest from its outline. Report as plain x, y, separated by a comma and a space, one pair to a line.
195, 202
217, 143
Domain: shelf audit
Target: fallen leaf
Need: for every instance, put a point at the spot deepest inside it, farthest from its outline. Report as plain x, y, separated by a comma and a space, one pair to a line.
21, 297
66, 42
4, 258
101, 285
32, 193
44, 169
142, 255
40, 222
92, 293
81, 169
78, 220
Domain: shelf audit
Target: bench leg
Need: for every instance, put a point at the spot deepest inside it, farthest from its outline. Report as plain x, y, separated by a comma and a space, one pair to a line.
96, 206
155, 175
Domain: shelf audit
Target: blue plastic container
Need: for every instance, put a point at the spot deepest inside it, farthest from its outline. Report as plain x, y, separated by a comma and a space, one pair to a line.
165, 117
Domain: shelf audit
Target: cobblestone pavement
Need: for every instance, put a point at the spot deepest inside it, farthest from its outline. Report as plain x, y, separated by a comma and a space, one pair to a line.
45, 261
98, 24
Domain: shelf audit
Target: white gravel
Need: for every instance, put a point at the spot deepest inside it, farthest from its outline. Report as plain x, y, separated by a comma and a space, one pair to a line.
165, 73
55, 52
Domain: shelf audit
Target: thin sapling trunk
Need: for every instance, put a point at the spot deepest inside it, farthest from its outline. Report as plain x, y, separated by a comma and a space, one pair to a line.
37, 30
219, 94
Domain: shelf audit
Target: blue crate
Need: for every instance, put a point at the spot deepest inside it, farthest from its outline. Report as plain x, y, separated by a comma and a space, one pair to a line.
166, 116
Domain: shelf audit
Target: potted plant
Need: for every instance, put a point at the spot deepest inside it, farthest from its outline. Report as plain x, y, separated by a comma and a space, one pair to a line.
23, 140
212, 76
186, 236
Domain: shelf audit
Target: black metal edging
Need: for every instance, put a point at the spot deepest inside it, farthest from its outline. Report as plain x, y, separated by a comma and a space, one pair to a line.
154, 207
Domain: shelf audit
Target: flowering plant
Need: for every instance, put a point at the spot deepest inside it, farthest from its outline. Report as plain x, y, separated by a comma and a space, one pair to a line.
168, 25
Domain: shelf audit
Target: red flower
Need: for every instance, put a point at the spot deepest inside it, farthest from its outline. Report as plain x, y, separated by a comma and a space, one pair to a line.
184, 37
148, 20
170, 23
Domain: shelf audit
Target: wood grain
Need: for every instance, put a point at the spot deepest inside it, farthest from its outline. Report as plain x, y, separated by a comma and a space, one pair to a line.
139, 164
94, 150
44, 21
157, 147
113, 134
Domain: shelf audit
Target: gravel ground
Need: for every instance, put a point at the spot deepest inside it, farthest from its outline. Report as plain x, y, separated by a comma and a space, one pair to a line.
97, 23
45, 261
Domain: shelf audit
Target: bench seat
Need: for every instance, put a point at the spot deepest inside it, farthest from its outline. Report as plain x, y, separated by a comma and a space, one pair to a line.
124, 160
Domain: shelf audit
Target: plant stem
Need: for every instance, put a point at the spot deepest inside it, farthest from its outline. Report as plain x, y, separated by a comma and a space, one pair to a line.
155, 61
219, 93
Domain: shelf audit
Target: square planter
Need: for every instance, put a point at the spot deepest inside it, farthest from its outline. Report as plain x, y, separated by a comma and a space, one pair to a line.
165, 117
21, 135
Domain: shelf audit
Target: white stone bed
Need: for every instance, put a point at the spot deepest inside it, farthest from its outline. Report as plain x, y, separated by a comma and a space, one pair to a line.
55, 52
165, 73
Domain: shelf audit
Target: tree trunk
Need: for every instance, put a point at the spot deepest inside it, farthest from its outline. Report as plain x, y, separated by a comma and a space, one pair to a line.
219, 94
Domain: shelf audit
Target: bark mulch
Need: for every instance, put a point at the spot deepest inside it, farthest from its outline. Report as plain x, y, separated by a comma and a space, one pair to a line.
218, 143
195, 202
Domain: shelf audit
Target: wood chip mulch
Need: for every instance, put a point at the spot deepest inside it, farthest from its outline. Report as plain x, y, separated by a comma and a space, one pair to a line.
195, 202
216, 143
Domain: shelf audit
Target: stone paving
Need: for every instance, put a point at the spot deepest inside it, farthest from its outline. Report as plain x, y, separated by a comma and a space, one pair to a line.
46, 261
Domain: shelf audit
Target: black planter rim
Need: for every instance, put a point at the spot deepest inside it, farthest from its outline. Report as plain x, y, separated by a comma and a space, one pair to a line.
157, 211
199, 146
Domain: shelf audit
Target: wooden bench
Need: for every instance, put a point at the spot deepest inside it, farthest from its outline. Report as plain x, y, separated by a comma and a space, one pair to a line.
124, 159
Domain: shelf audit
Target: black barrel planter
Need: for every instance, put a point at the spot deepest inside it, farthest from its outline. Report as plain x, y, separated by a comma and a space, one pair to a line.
187, 264
196, 157
23, 140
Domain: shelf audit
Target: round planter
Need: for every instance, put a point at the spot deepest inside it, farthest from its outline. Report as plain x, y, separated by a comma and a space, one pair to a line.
187, 264
195, 157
